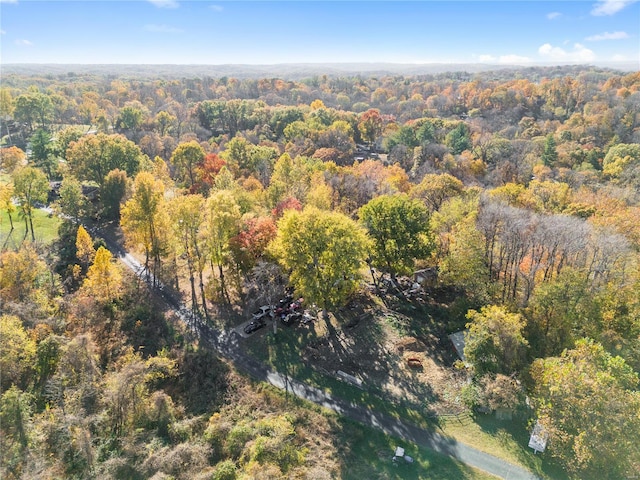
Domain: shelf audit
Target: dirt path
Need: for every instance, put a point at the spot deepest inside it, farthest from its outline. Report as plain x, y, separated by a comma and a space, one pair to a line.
226, 343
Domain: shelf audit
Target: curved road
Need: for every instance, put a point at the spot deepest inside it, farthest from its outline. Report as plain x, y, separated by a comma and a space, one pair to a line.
226, 343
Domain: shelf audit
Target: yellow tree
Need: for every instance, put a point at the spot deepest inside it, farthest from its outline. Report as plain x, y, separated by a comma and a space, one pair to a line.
6, 201
221, 222
186, 214
85, 252
104, 279
143, 220
17, 351
323, 251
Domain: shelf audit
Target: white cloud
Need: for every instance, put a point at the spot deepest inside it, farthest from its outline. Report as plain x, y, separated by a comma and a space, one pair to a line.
8, 1
216, 8
164, 3
619, 58
553, 15
504, 59
579, 53
607, 36
24, 43
610, 7
162, 29
511, 59
487, 58
2, 32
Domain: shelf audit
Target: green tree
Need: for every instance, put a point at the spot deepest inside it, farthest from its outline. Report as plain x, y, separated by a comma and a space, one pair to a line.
550, 154
560, 310
42, 151
130, 118
93, 156
15, 419
588, 402
459, 139
494, 342
33, 108
72, 202
622, 163
64, 138
434, 189
113, 192
17, 351
164, 122
323, 251
399, 227
186, 157
30, 187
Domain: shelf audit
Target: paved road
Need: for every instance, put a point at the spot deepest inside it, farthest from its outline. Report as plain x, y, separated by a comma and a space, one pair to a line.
226, 343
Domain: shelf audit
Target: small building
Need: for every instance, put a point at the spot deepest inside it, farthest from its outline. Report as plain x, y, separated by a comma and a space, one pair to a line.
538, 439
427, 277
458, 341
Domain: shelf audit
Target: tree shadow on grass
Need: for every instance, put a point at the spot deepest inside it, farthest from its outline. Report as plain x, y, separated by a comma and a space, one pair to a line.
368, 453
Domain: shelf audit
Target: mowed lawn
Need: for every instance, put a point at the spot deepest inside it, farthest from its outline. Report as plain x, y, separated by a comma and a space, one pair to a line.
45, 228
368, 453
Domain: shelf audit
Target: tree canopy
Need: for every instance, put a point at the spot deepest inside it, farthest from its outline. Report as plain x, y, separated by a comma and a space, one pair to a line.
323, 251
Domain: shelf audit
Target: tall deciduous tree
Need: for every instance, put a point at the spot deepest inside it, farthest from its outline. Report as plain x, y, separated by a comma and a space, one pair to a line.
588, 402
6, 201
30, 187
494, 342
186, 157
370, 125
143, 220
17, 351
399, 227
71, 202
221, 223
113, 191
11, 158
104, 280
94, 156
85, 252
33, 108
186, 213
323, 251
434, 189
42, 151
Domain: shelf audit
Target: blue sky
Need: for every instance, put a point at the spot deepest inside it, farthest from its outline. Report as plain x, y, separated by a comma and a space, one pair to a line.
266, 32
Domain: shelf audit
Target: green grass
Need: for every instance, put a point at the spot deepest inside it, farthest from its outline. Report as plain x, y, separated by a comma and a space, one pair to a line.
45, 228
367, 453
504, 439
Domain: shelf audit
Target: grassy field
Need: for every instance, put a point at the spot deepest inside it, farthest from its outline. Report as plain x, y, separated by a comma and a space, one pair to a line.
368, 454
45, 228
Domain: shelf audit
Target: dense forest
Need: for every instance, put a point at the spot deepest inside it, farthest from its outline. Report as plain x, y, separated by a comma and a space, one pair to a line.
519, 188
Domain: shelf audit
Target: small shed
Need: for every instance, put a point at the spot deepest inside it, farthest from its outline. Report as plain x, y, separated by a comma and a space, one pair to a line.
538, 439
426, 277
458, 341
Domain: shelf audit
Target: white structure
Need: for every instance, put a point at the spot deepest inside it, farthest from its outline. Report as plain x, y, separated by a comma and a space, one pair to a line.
539, 437
458, 341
